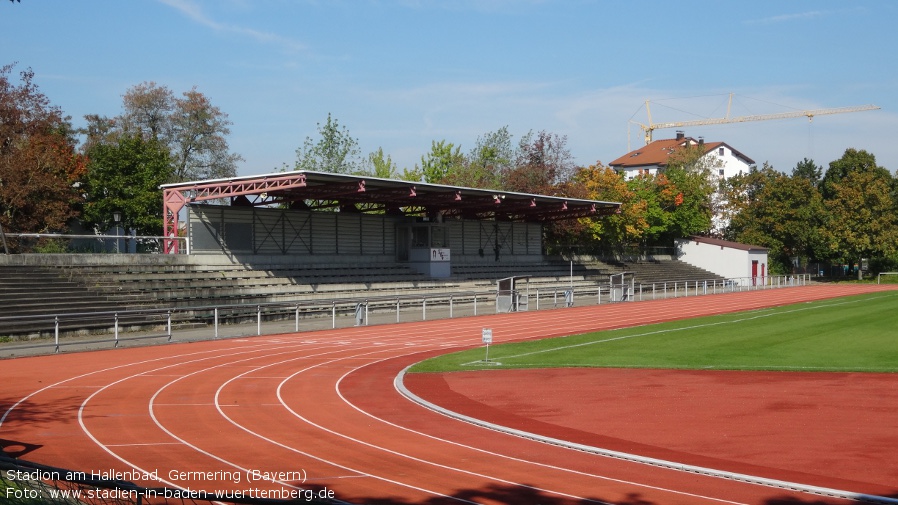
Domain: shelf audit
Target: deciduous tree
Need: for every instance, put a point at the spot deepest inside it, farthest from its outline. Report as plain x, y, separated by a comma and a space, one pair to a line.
125, 177
442, 160
190, 128
39, 167
198, 146
336, 151
613, 233
779, 212
382, 165
807, 169
853, 160
860, 221
542, 162
493, 154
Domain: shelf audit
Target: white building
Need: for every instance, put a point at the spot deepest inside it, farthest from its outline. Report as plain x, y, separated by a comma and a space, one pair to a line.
745, 264
725, 162
654, 157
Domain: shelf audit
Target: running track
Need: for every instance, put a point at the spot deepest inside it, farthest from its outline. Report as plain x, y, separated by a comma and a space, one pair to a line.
322, 408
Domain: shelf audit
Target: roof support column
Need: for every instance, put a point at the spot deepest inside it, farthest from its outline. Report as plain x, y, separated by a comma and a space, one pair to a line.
172, 203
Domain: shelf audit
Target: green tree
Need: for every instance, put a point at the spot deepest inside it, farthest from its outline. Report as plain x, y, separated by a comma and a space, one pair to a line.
382, 165
39, 166
779, 212
443, 160
860, 221
687, 196
492, 155
336, 151
807, 169
657, 198
125, 177
690, 193
853, 160
413, 175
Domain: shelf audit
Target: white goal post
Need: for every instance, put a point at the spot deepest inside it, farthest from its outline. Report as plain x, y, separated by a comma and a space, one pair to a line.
878, 277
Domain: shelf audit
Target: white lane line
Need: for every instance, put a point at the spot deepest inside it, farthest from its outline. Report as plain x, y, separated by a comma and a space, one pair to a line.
513, 458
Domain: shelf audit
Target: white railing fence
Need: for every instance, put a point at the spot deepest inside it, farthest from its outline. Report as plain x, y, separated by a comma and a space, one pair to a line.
113, 328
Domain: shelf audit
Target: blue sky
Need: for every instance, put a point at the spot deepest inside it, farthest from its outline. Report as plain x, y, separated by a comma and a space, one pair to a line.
400, 74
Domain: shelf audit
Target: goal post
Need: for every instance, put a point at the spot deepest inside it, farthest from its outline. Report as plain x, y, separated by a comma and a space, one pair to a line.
891, 277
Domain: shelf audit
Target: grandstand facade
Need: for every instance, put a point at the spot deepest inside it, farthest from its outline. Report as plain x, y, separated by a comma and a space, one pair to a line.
332, 218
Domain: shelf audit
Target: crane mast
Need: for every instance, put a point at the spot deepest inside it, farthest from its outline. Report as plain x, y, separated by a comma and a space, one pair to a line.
810, 114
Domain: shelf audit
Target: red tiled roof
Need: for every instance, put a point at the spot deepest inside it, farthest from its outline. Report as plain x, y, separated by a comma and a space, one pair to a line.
657, 153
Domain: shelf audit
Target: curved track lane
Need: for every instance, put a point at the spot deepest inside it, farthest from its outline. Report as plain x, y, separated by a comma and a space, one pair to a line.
319, 411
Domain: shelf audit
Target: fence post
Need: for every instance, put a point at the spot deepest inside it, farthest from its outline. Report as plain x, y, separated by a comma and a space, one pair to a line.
116, 329
258, 319
397, 309
215, 316
296, 317
56, 332
450, 306
475, 304
168, 324
333, 314
424, 309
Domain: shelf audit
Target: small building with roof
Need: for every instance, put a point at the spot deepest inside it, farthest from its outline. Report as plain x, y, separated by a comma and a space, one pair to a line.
654, 157
744, 264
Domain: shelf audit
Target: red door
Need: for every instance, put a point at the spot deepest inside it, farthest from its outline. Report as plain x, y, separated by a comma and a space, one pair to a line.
754, 272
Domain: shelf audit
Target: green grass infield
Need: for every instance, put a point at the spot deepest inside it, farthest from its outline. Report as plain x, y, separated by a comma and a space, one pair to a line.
850, 334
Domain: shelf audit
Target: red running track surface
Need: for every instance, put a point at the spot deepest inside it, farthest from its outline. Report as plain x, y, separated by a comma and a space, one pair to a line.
319, 411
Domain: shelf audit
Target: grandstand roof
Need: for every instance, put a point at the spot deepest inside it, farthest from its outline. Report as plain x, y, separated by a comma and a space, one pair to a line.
354, 193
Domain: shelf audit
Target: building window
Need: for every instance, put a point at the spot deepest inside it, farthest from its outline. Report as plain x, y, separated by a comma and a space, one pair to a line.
720, 151
720, 172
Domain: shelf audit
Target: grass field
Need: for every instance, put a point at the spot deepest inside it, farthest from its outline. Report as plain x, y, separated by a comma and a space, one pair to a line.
857, 333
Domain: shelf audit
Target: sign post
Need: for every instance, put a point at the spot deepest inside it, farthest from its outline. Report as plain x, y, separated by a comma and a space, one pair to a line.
487, 338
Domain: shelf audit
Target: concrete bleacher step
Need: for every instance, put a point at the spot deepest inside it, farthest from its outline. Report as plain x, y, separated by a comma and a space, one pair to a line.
188, 283
30, 291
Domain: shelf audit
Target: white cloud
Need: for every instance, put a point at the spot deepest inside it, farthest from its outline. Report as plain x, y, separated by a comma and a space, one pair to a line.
784, 18
194, 12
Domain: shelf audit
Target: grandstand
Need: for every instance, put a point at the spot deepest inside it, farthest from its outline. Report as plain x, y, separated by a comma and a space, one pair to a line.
308, 236
100, 283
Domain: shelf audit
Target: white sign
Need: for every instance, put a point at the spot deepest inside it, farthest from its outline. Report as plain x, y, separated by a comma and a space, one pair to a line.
487, 336
439, 255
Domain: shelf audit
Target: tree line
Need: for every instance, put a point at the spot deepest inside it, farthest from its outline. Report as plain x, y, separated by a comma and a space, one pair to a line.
53, 175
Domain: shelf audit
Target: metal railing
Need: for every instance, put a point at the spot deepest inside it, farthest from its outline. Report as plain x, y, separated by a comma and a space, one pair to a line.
113, 328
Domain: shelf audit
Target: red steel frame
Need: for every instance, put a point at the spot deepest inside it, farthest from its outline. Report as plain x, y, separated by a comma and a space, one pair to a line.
331, 190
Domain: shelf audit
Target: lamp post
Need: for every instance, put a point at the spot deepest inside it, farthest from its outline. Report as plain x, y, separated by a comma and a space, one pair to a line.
117, 218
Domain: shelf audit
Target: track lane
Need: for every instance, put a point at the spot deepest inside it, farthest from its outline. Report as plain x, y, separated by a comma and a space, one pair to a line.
333, 406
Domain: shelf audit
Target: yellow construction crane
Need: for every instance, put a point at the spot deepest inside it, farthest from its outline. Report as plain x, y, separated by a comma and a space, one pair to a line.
649, 128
